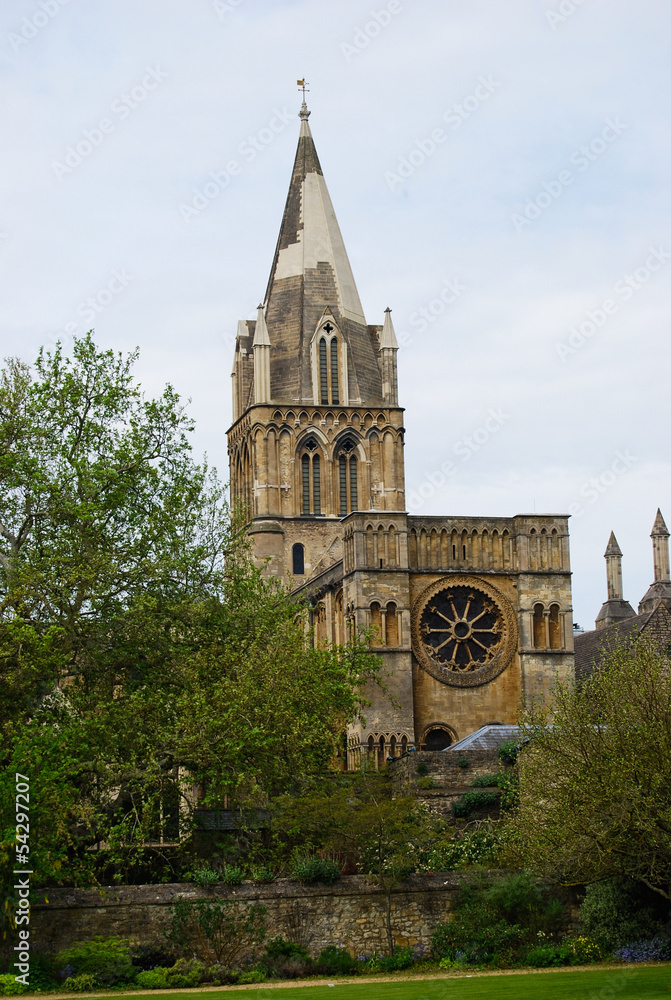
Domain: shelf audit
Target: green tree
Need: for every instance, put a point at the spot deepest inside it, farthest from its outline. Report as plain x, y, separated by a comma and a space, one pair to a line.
595, 797
141, 651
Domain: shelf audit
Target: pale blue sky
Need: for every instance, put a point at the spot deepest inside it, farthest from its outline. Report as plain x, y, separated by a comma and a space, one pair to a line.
203, 78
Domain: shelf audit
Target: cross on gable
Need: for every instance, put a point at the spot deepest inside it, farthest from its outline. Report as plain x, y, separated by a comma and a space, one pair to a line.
329, 328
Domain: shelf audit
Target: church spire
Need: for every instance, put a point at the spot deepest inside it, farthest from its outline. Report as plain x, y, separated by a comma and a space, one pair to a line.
615, 608
311, 274
660, 589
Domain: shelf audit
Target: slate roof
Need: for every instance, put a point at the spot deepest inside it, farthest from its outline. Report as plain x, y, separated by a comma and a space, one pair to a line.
486, 738
310, 274
590, 647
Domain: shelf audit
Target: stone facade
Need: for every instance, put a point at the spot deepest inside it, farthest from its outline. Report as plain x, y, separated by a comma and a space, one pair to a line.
468, 614
350, 913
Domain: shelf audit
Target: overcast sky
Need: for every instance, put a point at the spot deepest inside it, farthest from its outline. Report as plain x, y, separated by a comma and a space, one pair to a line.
500, 172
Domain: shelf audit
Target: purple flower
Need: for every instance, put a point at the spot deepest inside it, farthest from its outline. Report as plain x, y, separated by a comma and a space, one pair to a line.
658, 949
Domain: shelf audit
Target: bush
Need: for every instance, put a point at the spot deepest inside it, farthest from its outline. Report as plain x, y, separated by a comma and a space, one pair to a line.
487, 781
232, 875
217, 931
508, 752
153, 979
107, 960
315, 869
584, 949
464, 849
425, 783
658, 949
334, 961
285, 959
618, 911
496, 923
10, 988
422, 769
203, 875
547, 956
81, 984
471, 801
252, 976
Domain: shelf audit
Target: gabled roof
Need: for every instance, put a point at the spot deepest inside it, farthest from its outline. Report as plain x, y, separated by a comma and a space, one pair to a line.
311, 273
591, 647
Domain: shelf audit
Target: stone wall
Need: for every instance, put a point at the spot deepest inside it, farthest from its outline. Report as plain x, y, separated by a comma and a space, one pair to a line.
449, 778
350, 913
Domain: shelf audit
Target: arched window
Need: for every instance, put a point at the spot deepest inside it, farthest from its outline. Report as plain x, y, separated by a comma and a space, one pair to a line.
311, 478
539, 627
323, 373
392, 624
437, 738
376, 623
328, 362
334, 371
298, 559
555, 627
348, 479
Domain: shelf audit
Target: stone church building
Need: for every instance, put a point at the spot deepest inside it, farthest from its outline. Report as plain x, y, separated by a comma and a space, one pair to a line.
468, 613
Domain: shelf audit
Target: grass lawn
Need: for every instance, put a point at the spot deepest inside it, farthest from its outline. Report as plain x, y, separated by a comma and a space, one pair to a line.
648, 983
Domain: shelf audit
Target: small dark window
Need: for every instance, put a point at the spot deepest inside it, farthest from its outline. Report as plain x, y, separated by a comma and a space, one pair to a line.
298, 557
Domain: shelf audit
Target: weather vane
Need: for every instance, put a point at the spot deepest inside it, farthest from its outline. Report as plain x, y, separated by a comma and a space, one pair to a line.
302, 85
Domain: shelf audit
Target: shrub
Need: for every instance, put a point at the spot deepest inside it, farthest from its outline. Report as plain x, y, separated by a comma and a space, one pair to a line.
316, 869
232, 875
262, 873
82, 983
252, 976
217, 931
422, 769
508, 752
107, 960
426, 783
471, 801
285, 959
487, 781
547, 956
584, 949
462, 850
153, 979
618, 911
334, 961
463, 762
10, 988
203, 875
658, 949
496, 923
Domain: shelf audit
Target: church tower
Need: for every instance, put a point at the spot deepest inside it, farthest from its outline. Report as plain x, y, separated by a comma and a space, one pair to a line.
317, 431
467, 614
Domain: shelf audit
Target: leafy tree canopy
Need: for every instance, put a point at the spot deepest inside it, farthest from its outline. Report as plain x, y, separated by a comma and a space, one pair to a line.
595, 796
141, 651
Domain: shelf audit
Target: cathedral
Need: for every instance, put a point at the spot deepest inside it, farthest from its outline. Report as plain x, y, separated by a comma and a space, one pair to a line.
468, 613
